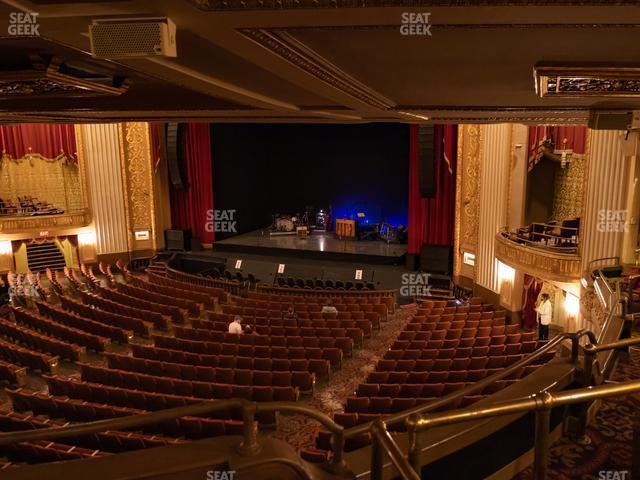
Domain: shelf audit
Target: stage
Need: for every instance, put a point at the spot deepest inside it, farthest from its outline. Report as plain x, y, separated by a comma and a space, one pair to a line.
317, 246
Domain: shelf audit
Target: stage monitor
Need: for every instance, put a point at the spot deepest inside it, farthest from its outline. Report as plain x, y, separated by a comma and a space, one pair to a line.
177, 240
436, 259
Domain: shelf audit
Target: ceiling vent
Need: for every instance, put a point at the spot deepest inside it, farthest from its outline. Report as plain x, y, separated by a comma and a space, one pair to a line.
133, 38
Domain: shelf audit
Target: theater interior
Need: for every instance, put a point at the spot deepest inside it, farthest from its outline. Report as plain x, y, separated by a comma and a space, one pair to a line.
319, 239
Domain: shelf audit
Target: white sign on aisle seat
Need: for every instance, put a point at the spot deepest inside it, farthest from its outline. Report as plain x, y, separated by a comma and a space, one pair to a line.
358, 274
238, 264
281, 268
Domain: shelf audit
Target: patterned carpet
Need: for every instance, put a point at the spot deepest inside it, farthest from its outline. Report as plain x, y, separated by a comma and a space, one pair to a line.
606, 450
329, 398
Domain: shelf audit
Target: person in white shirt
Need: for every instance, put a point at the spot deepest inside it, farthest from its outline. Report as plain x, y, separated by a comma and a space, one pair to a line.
329, 309
236, 325
544, 317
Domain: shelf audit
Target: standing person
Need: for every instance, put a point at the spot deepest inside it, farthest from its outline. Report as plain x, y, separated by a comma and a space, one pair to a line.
544, 317
236, 325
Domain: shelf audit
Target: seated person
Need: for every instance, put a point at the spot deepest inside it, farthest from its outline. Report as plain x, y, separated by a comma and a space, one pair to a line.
290, 314
236, 325
329, 309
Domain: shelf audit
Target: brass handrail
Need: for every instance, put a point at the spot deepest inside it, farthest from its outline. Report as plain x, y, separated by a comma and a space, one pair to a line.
541, 403
458, 394
384, 443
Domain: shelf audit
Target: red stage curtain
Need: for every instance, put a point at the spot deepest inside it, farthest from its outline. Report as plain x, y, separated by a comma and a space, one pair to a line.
431, 220
50, 141
571, 139
530, 294
189, 209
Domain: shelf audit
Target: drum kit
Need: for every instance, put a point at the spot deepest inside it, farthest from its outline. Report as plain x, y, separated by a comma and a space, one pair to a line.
283, 223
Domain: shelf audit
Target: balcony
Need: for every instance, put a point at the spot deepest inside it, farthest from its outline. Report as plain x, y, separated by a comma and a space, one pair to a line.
36, 224
547, 262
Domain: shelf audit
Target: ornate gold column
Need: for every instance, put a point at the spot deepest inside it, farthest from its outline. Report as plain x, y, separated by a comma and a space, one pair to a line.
467, 201
137, 176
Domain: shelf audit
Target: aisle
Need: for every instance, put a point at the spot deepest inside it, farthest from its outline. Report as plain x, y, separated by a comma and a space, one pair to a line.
329, 397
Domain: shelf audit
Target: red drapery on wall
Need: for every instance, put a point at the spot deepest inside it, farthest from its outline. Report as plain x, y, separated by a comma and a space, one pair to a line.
189, 209
564, 138
431, 220
530, 294
50, 141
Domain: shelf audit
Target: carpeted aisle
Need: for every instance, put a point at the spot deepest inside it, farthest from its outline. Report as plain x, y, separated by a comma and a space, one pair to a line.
606, 452
300, 431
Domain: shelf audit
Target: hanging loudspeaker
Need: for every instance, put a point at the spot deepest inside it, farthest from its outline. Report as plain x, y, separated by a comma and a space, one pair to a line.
175, 158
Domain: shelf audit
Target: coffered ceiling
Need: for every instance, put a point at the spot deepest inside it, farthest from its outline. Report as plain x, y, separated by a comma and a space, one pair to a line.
331, 60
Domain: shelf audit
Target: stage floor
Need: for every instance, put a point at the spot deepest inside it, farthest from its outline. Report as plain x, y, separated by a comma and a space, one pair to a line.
318, 245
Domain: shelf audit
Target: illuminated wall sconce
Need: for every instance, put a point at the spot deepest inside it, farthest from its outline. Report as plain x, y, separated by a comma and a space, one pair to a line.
87, 238
505, 273
6, 256
87, 247
5, 247
469, 258
571, 305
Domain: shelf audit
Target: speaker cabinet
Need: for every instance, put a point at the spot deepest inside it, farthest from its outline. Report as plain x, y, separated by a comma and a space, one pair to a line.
436, 259
175, 158
426, 161
177, 240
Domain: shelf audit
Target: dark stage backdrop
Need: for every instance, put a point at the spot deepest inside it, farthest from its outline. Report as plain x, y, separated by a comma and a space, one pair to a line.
262, 169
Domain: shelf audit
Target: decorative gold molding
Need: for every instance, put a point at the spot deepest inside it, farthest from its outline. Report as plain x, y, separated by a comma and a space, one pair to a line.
579, 82
137, 177
279, 5
286, 46
14, 225
546, 265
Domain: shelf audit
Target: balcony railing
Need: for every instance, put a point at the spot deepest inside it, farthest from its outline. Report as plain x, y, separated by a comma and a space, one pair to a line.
552, 263
37, 223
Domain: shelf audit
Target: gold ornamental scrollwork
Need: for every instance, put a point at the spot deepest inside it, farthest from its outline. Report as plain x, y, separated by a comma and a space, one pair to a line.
137, 175
551, 266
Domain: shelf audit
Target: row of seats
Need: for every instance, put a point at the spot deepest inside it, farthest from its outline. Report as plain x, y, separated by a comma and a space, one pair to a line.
40, 342
171, 311
108, 441
364, 325
355, 334
321, 368
469, 328
156, 283
73, 320
28, 358
345, 344
139, 292
153, 383
442, 376
422, 390
79, 410
333, 355
266, 292
453, 344
207, 292
140, 327
419, 351
63, 332
42, 451
159, 321
304, 381
12, 374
